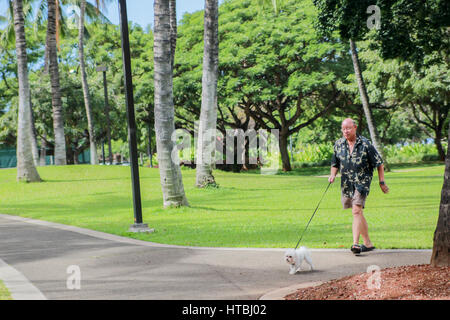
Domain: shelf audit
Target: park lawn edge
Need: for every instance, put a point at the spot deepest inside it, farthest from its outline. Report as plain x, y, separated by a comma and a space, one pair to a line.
172, 214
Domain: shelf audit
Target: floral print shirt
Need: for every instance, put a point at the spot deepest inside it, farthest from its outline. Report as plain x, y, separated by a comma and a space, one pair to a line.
356, 168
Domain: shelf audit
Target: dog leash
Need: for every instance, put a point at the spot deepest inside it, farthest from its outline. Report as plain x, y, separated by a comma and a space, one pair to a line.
329, 184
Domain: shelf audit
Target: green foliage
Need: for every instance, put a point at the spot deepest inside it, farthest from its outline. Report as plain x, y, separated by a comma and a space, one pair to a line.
413, 29
267, 54
409, 29
313, 152
348, 17
415, 152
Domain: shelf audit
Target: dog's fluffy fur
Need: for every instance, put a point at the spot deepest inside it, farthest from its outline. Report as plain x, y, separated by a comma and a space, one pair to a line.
295, 258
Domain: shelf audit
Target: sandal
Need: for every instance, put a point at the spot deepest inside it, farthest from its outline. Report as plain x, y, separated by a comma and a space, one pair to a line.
356, 248
365, 249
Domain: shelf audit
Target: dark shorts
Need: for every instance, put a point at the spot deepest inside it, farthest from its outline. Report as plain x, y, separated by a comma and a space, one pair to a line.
357, 199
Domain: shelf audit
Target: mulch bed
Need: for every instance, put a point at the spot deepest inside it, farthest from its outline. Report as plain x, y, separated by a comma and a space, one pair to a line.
417, 282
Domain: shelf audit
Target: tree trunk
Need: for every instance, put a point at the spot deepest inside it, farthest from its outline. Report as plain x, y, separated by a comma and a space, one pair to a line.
438, 143
440, 256
43, 153
58, 116
284, 153
26, 169
366, 106
208, 114
85, 85
169, 169
173, 30
33, 138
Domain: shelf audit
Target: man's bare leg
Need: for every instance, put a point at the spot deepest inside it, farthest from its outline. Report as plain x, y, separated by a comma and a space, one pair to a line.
360, 226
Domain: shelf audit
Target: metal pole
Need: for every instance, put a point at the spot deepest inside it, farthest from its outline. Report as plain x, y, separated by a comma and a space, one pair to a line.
108, 121
138, 226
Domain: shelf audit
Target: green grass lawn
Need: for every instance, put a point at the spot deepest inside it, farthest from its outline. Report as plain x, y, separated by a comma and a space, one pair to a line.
4, 292
247, 210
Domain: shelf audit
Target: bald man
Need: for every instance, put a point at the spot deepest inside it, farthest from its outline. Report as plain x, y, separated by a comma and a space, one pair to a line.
355, 157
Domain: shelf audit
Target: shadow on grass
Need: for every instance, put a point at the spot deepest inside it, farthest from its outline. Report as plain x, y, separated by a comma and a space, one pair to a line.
84, 179
323, 170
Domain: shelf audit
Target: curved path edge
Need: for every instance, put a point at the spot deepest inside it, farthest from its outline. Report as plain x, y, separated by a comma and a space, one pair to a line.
127, 240
18, 285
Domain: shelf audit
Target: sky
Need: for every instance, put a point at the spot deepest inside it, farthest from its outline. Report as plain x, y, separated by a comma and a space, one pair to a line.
141, 11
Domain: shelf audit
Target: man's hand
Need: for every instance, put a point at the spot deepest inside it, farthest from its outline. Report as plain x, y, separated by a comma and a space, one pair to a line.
333, 174
384, 187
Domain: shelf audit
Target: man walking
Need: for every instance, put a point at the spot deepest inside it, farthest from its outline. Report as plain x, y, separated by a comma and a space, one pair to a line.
355, 157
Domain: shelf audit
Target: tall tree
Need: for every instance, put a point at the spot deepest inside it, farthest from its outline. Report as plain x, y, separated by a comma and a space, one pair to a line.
84, 82
440, 257
350, 19
58, 116
365, 103
208, 115
26, 170
169, 167
416, 29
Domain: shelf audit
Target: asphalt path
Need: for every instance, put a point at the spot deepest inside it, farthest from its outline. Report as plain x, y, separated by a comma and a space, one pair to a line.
64, 263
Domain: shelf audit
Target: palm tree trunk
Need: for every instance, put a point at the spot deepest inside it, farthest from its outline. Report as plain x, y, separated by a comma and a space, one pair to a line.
365, 104
440, 256
26, 169
169, 169
208, 114
87, 102
58, 116
173, 30
33, 138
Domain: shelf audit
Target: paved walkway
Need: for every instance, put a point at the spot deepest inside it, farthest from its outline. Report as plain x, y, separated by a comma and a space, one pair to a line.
113, 267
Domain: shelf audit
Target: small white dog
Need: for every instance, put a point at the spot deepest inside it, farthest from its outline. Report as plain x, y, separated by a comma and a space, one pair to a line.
295, 258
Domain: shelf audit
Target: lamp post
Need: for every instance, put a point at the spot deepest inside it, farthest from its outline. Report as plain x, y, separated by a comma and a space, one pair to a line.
138, 225
108, 121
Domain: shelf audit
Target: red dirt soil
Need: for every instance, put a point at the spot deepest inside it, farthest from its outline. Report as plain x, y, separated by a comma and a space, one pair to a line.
418, 282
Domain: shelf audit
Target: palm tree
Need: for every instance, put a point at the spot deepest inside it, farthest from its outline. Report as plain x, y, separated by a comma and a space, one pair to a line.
365, 103
26, 170
86, 9
58, 116
7, 37
173, 29
84, 82
208, 114
169, 169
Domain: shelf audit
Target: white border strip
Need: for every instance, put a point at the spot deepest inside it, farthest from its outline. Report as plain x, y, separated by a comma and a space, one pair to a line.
19, 286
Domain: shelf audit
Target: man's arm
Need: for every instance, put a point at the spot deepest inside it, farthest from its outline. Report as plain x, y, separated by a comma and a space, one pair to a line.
333, 174
383, 185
